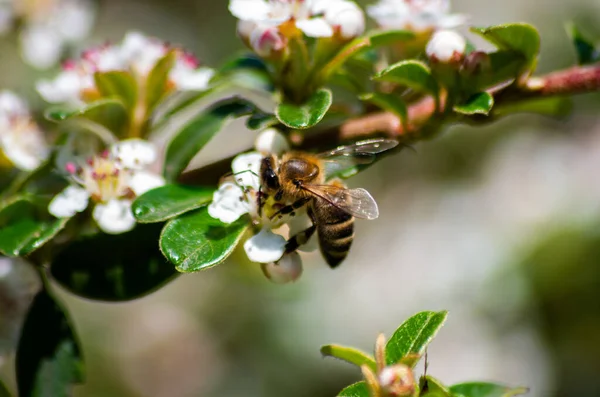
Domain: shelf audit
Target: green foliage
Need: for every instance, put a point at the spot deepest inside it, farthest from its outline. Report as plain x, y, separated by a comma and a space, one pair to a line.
48, 363
113, 267
520, 37
413, 336
199, 131
118, 84
412, 74
483, 389
109, 113
158, 80
390, 102
24, 227
305, 115
168, 201
432, 387
196, 241
358, 389
477, 104
585, 49
4, 390
349, 354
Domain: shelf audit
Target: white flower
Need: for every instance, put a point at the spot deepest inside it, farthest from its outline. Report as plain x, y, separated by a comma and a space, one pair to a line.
315, 18
286, 270
136, 54
265, 246
47, 27
446, 46
239, 196
111, 181
416, 15
21, 139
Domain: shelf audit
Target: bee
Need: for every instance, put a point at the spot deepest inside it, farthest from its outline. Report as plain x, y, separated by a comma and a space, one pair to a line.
304, 180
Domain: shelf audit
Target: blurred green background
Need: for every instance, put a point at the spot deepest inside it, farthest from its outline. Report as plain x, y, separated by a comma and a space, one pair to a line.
500, 225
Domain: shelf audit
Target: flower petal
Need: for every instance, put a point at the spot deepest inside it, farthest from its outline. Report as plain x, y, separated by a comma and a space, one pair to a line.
347, 16
228, 203
114, 217
66, 88
287, 269
315, 27
189, 79
271, 140
24, 145
11, 105
41, 46
143, 181
134, 153
246, 168
70, 201
249, 10
265, 246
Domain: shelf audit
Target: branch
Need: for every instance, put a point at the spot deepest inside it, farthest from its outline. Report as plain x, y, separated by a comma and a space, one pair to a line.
575, 80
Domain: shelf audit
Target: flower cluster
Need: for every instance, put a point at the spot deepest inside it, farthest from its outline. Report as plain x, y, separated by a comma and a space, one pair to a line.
239, 195
266, 25
21, 140
415, 15
137, 54
110, 180
48, 26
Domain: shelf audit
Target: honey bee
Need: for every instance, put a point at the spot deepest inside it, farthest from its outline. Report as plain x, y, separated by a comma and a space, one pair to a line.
301, 180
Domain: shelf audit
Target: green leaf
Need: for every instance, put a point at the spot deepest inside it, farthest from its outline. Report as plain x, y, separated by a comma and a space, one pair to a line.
196, 241
23, 229
483, 389
120, 84
492, 69
480, 103
307, 114
48, 360
520, 37
586, 50
114, 267
358, 389
107, 112
413, 336
390, 102
199, 131
260, 121
349, 354
413, 74
168, 201
158, 79
387, 37
431, 386
4, 390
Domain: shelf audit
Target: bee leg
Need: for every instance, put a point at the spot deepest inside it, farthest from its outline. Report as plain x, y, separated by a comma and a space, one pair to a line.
299, 239
288, 209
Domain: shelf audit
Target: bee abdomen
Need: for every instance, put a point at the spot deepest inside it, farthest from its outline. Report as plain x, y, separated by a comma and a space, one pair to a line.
335, 239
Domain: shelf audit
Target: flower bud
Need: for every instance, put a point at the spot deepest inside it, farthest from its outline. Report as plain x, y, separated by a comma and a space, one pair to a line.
397, 380
266, 41
271, 140
287, 269
446, 46
347, 18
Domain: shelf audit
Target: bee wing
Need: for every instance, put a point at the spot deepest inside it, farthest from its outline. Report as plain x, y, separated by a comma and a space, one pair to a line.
362, 152
357, 202
365, 148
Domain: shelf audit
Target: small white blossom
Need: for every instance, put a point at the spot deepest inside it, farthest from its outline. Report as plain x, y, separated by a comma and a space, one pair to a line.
47, 26
239, 195
265, 246
110, 181
446, 46
416, 15
265, 23
286, 270
21, 139
136, 54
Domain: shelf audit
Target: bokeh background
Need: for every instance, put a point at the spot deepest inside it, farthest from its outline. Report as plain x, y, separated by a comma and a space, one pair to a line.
500, 225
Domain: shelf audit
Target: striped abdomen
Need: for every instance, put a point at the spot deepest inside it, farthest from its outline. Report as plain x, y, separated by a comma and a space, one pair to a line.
335, 228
